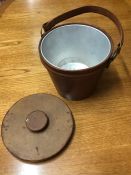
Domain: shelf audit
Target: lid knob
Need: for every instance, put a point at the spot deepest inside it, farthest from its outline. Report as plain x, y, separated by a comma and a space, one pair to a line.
37, 121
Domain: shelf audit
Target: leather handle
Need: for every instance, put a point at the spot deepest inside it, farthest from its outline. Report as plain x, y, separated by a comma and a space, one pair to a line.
87, 9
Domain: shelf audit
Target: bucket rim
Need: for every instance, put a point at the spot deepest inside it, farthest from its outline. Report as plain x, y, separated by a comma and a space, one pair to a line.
50, 66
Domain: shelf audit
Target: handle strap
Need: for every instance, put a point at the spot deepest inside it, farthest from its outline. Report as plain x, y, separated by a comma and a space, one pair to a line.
87, 9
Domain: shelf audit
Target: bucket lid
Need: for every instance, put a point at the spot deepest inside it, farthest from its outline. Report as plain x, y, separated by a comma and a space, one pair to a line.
37, 127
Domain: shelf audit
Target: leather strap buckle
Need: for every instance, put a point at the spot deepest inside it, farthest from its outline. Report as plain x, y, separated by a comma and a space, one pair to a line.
115, 53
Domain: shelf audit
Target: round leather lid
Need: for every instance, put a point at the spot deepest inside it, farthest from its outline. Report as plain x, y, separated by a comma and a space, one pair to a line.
37, 127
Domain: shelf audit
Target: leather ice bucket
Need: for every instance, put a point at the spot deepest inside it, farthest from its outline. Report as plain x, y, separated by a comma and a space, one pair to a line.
76, 54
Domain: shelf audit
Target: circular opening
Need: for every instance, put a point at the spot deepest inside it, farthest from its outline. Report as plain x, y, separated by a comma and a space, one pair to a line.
75, 47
